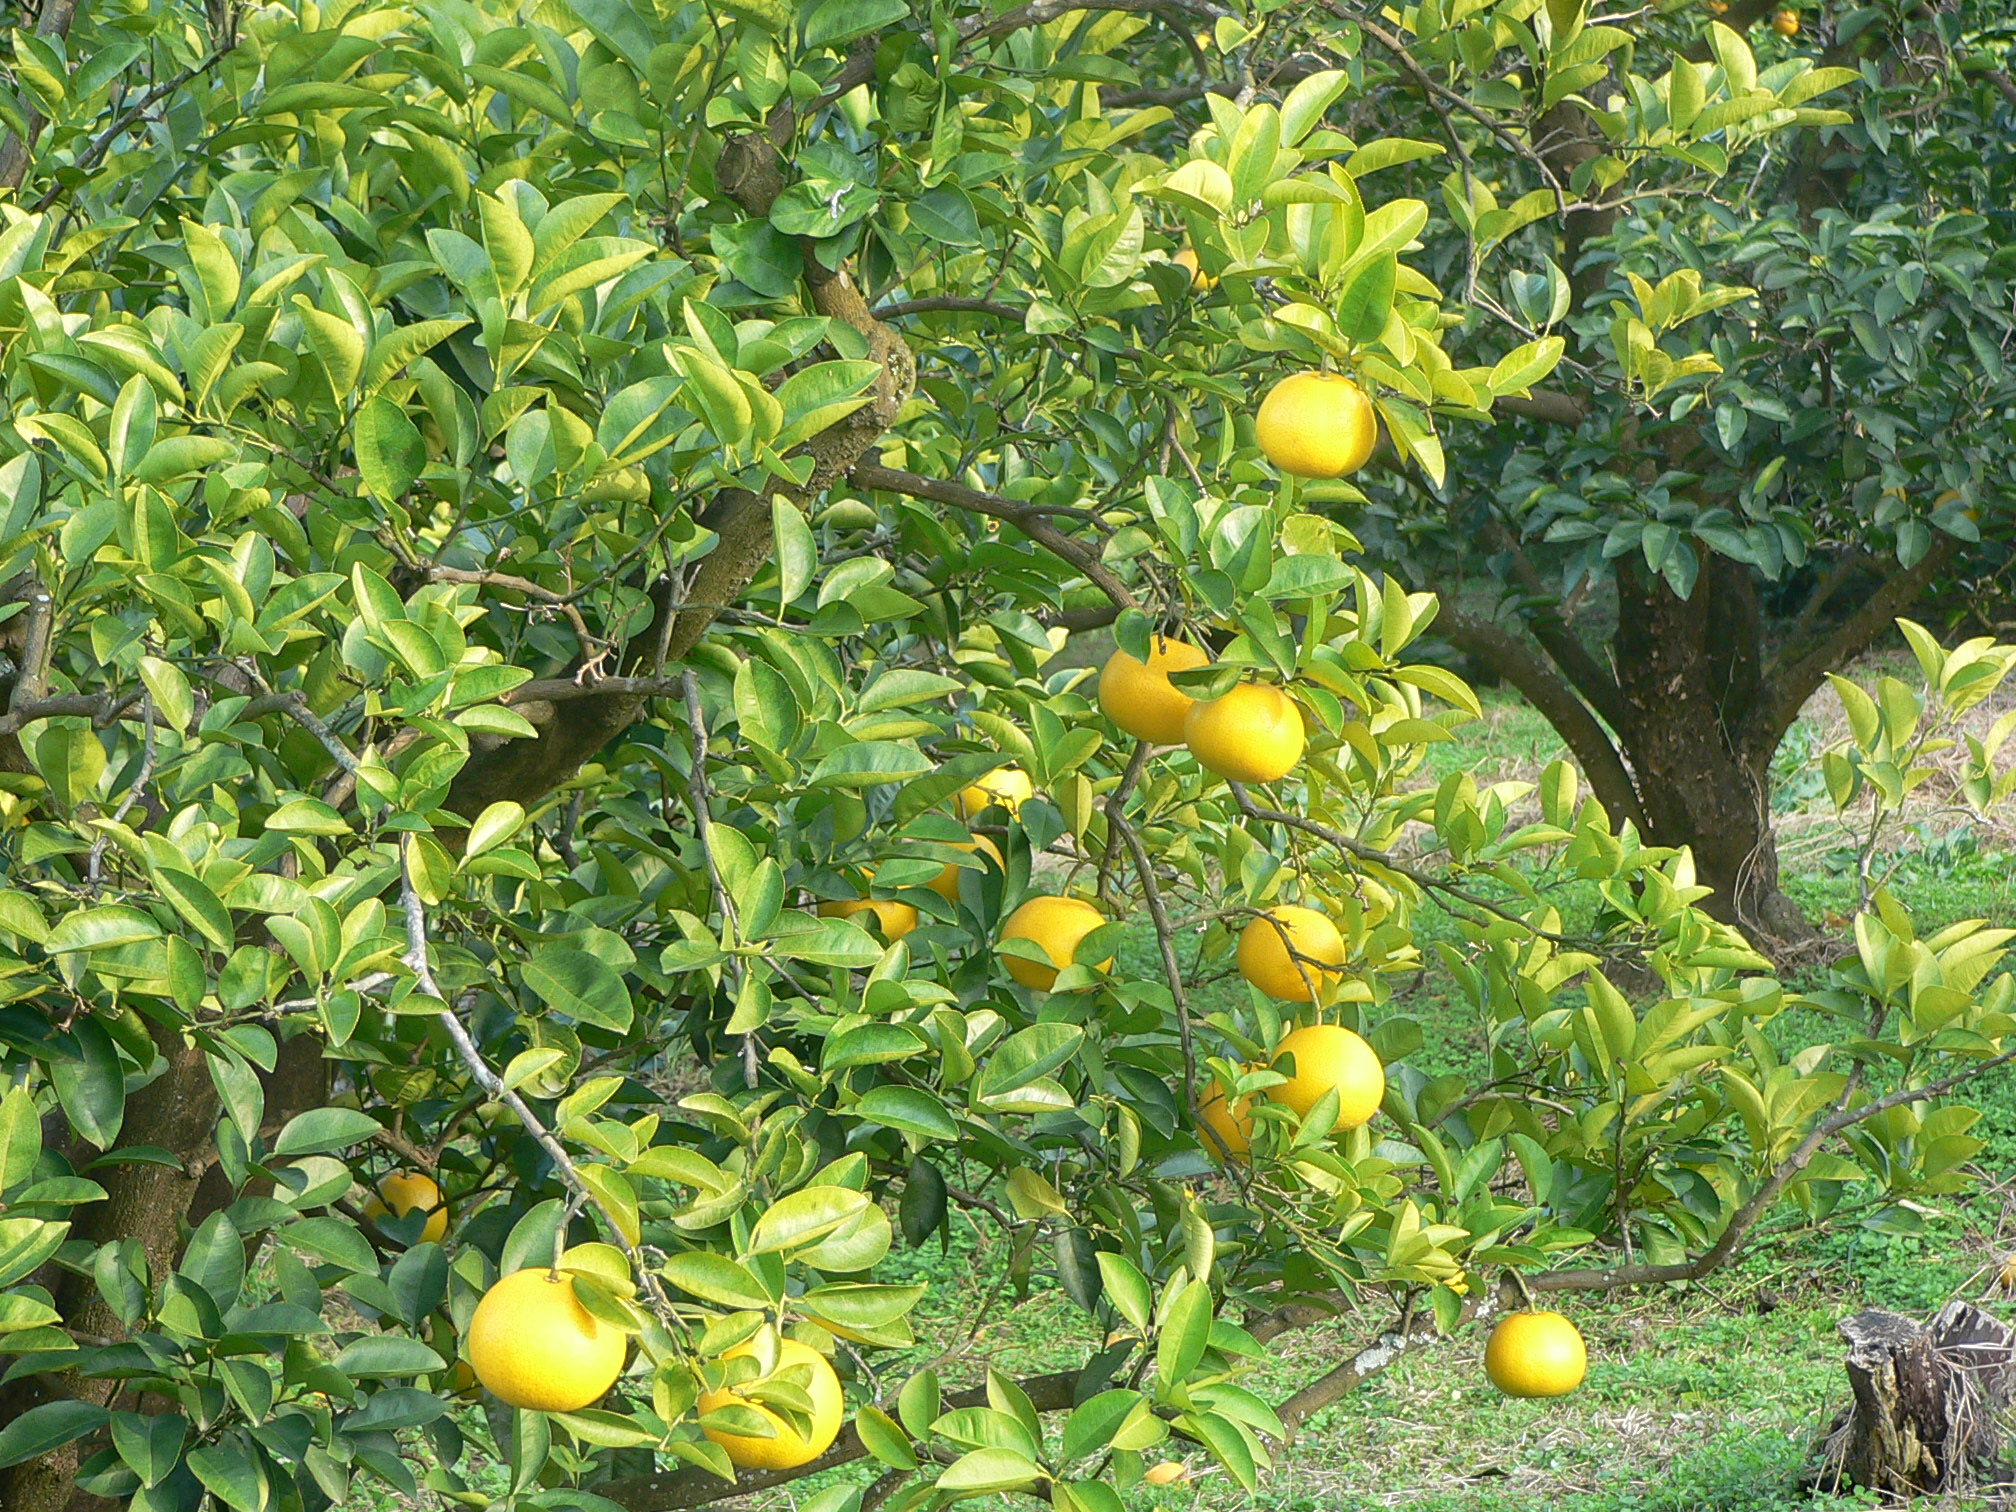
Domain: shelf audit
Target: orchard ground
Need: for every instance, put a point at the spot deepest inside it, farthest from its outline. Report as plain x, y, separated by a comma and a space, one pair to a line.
1706, 1397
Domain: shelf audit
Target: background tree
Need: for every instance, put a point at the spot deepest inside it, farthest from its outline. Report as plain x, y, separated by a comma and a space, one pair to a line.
1688, 547
508, 512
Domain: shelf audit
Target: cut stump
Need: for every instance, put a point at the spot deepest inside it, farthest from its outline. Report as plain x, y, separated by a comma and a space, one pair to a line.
1929, 1409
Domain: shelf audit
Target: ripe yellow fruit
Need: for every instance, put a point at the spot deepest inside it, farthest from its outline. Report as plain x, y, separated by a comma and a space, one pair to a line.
1327, 1056
1535, 1354
1168, 1473
1786, 23
532, 1343
946, 883
894, 919
1265, 961
1233, 1125
1008, 786
1317, 425
401, 1193
787, 1450
1138, 696
1200, 281
1056, 924
1253, 734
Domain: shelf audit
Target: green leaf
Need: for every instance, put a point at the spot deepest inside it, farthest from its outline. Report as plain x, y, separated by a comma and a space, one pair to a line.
986, 1470
389, 450
909, 1110
804, 1217
833, 22
196, 904
50, 1426
870, 763
572, 982
387, 1356
321, 1130
1184, 1332
716, 1278
20, 1138
92, 1089
151, 1446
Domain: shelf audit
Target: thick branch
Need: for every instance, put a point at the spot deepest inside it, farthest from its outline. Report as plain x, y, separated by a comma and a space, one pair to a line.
1799, 669
1516, 662
1032, 520
1549, 406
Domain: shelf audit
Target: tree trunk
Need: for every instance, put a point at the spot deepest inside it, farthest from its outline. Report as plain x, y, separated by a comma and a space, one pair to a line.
1926, 1400
1690, 678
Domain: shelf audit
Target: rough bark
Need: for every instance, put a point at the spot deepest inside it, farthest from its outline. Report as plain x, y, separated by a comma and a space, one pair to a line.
1926, 1399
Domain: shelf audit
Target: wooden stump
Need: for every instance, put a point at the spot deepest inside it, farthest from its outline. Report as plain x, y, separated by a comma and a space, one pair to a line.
1929, 1399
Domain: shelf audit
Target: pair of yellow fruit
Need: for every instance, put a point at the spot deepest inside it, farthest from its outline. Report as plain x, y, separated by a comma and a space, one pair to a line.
533, 1345
1253, 734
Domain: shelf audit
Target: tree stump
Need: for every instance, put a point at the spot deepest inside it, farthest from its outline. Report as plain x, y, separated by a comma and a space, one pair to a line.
1928, 1405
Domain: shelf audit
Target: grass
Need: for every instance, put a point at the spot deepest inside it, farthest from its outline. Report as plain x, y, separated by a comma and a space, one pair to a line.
1699, 1397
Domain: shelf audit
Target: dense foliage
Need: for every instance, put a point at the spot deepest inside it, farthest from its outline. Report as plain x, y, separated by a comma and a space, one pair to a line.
508, 511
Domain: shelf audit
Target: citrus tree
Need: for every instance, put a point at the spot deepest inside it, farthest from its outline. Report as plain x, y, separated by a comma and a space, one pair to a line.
545, 821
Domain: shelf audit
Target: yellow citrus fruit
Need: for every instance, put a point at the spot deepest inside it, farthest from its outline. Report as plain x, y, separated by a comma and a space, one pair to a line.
787, 1450
1253, 734
1168, 1473
1786, 23
401, 1193
1317, 425
1717, 7
1008, 786
1056, 924
1266, 962
1231, 1124
894, 919
1138, 696
946, 883
462, 1379
533, 1344
1327, 1056
1535, 1354
1200, 281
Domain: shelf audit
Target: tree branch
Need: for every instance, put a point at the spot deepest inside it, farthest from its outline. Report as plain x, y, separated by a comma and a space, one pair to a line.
1796, 672
1030, 519
1571, 718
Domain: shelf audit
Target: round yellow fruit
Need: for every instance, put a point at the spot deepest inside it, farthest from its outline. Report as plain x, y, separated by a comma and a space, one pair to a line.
1056, 924
894, 919
532, 1344
1327, 1056
1008, 786
946, 883
404, 1191
1200, 281
1536, 1354
787, 1450
1168, 1473
1317, 425
1786, 24
1138, 696
1233, 1126
1266, 961
1253, 734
